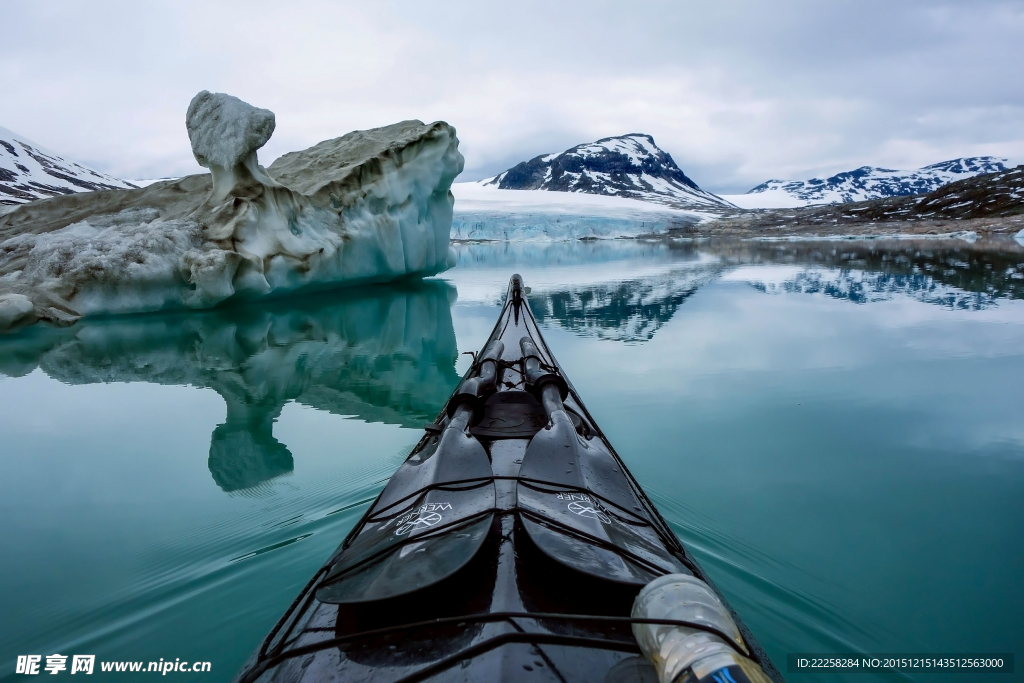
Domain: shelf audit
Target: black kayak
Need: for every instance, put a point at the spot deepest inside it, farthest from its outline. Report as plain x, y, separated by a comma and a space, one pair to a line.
511, 545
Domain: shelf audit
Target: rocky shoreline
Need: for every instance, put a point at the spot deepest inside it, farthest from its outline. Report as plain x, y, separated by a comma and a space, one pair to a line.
782, 224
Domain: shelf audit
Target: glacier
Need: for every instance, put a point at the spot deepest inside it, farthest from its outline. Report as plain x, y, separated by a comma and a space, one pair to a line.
370, 206
483, 212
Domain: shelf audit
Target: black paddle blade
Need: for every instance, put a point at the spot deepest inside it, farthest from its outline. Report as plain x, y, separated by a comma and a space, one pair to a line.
427, 524
387, 569
604, 535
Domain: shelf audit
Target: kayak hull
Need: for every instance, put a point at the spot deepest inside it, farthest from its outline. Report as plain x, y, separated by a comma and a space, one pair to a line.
509, 546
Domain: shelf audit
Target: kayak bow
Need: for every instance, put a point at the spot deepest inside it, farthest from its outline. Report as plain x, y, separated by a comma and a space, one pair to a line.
511, 544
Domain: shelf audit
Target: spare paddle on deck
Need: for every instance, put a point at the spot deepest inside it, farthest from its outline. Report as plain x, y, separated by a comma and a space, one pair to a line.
585, 514
434, 514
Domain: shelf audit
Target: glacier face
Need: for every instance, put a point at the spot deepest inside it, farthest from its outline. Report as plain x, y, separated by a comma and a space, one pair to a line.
29, 171
866, 183
485, 213
622, 166
370, 206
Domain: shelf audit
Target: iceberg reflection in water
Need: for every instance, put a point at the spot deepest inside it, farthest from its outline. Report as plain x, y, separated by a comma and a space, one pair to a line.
383, 354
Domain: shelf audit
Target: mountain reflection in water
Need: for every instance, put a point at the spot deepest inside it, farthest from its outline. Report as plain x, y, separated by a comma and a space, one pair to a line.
629, 311
628, 291
382, 354
948, 273
622, 290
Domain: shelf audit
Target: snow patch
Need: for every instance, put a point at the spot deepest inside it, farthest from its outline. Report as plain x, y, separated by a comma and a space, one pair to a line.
768, 199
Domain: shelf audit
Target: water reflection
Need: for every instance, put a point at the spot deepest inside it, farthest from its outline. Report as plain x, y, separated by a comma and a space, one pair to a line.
386, 354
628, 311
383, 354
623, 290
780, 435
627, 291
952, 274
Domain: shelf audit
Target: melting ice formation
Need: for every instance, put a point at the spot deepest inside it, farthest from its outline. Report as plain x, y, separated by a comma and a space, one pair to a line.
866, 183
370, 206
29, 171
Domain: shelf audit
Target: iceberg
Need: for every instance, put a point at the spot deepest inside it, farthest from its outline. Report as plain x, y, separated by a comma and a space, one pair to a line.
370, 206
486, 213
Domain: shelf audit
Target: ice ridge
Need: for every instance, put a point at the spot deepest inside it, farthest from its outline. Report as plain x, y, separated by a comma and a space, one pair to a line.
370, 206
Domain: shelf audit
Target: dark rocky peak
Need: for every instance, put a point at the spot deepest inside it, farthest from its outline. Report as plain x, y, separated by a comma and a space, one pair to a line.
625, 166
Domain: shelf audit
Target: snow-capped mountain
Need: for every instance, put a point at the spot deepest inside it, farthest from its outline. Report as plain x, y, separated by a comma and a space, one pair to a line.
29, 172
624, 166
868, 182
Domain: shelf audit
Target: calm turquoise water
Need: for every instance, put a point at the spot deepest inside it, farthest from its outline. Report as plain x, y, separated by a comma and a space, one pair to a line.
837, 431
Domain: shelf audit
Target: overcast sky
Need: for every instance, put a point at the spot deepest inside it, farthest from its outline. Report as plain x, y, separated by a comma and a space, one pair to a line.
737, 92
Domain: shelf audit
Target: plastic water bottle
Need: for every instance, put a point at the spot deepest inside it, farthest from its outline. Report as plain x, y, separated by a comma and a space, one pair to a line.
689, 655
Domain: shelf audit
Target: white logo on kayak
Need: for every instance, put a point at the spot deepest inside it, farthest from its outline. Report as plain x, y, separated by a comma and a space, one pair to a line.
588, 511
422, 517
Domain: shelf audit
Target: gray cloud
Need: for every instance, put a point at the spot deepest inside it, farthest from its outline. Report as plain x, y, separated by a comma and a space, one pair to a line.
738, 92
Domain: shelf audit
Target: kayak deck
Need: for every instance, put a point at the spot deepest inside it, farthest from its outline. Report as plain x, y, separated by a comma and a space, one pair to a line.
510, 545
